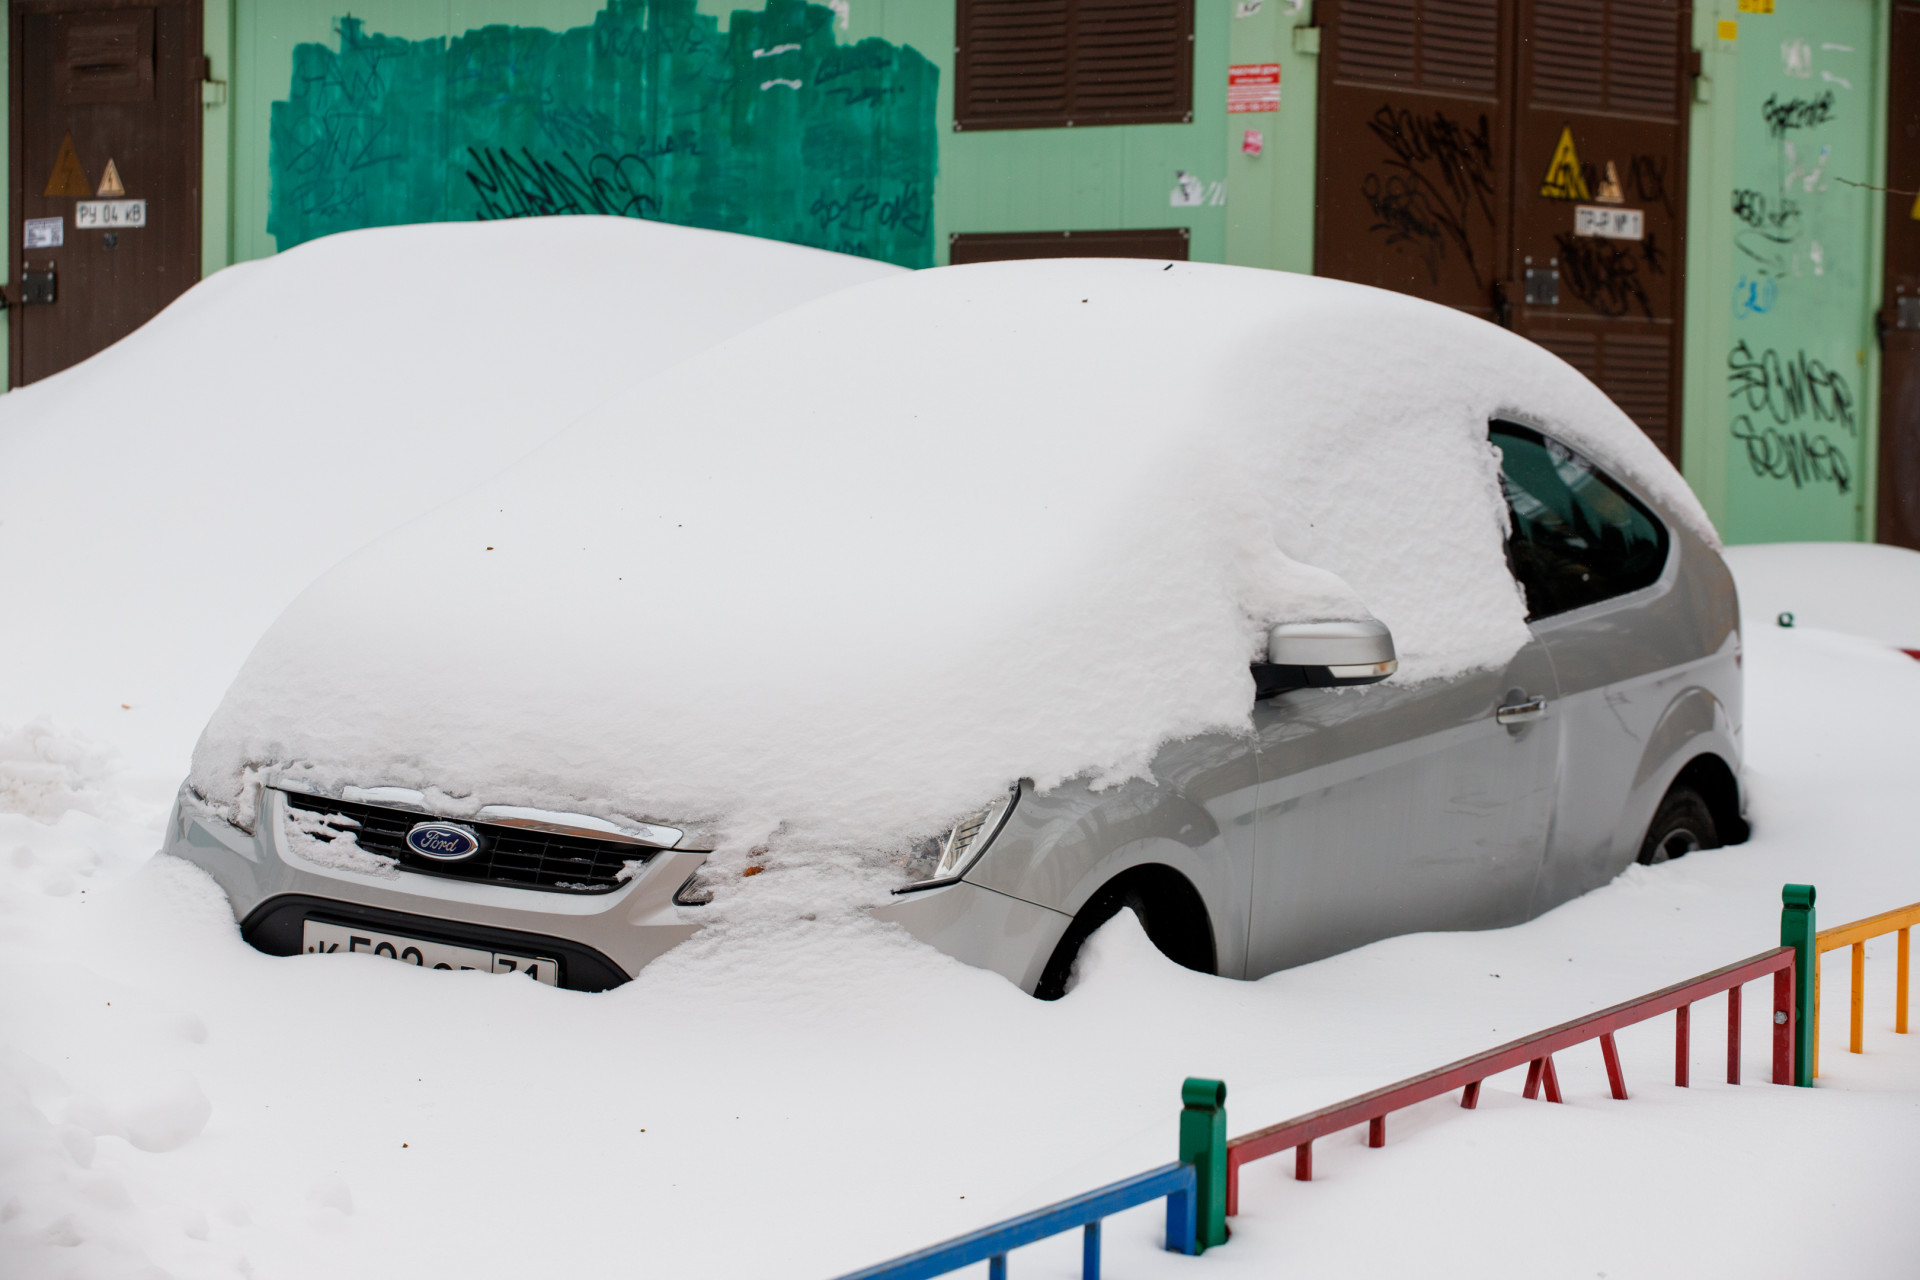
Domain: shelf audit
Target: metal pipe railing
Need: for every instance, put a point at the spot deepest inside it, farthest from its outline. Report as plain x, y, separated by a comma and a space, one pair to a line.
1856, 935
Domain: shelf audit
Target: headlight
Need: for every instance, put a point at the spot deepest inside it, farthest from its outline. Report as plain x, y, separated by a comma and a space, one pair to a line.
961, 848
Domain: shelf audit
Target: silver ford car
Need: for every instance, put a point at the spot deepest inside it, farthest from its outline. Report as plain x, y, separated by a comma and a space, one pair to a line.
1353, 804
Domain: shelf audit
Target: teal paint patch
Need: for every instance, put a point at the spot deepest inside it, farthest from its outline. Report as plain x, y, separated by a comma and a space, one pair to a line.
772, 129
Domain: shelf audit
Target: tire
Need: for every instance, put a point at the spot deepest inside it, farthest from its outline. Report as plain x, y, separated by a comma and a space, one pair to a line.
1682, 824
1170, 910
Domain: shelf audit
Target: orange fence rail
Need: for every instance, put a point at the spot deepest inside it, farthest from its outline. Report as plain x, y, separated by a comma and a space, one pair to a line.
1855, 935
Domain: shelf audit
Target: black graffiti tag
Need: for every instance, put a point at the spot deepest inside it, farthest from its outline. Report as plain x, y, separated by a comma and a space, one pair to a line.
1789, 390
526, 186
1605, 274
1793, 455
1782, 394
1796, 113
1437, 172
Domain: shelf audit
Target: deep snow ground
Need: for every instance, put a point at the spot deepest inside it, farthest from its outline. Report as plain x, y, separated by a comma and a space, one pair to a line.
810, 1092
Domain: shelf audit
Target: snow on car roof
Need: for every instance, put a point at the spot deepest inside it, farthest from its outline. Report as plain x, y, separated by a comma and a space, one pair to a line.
185, 483
846, 575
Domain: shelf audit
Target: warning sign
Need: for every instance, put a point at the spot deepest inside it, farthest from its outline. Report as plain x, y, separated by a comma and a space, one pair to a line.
1564, 181
68, 178
110, 184
1253, 86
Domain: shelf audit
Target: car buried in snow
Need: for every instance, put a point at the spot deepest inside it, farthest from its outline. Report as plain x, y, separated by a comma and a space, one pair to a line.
1288, 613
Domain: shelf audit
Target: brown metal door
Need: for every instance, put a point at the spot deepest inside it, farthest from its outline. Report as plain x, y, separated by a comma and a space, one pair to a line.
1900, 320
1414, 149
1599, 169
98, 84
1459, 142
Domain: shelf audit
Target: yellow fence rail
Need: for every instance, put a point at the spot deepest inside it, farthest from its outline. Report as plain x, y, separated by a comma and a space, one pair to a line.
1855, 935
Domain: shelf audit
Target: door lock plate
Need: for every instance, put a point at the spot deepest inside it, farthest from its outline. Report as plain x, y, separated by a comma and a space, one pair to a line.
1543, 287
36, 288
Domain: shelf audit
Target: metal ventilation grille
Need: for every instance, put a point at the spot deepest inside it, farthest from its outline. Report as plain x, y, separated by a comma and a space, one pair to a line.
519, 856
1619, 55
1025, 64
1444, 46
1643, 57
1634, 369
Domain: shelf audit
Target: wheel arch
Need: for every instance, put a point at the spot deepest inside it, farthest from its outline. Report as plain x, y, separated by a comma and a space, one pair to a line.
1171, 908
1714, 780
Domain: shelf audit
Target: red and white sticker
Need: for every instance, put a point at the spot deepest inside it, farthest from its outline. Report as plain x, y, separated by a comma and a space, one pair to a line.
1253, 86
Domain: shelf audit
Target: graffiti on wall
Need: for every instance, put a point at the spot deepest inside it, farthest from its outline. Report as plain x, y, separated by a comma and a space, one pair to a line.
772, 128
1793, 356
1785, 402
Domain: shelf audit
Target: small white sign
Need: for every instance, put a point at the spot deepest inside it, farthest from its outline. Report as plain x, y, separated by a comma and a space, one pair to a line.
45, 233
109, 215
1614, 224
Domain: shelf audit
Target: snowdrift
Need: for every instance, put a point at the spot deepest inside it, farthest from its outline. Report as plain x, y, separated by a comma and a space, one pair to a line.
844, 576
161, 502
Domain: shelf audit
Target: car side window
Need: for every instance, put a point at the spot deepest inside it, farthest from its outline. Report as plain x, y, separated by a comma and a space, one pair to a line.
1577, 536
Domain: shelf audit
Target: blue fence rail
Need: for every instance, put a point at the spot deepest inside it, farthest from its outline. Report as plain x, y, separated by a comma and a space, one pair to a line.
1176, 1182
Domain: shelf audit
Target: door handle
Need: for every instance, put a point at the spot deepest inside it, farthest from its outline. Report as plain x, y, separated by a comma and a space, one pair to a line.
1521, 712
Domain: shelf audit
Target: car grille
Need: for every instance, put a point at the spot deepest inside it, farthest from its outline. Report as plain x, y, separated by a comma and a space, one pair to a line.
521, 856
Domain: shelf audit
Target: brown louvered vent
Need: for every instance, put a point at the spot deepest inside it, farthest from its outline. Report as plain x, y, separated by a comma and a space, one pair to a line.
1442, 46
1620, 55
1036, 64
1634, 369
108, 57
1166, 243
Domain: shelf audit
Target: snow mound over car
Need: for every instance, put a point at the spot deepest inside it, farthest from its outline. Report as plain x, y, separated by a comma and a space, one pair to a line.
844, 577
161, 502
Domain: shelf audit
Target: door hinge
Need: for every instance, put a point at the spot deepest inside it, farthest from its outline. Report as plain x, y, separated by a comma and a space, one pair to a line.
213, 93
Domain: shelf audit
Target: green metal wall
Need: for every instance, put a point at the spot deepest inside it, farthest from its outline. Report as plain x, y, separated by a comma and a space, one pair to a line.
1259, 209
1782, 371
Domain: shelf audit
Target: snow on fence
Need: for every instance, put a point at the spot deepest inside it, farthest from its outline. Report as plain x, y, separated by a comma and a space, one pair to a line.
1202, 1189
1855, 935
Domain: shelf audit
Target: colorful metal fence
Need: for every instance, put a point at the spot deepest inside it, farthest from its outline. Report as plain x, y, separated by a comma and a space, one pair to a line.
1202, 1189
992, 1244
1855, 936
1535, 1052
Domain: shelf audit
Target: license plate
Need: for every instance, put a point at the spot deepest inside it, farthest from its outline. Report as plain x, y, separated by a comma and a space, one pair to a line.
318, 937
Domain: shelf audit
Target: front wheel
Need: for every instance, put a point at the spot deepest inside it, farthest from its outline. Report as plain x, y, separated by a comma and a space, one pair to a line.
1682, 824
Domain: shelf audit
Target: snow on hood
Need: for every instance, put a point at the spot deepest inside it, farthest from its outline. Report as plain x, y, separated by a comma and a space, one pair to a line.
845, 576
183, 485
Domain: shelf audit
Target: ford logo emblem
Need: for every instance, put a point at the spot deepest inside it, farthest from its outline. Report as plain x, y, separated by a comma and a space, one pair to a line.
443, 841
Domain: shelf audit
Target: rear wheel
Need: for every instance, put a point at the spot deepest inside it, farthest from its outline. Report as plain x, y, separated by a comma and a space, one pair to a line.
1682, 824
1169, 908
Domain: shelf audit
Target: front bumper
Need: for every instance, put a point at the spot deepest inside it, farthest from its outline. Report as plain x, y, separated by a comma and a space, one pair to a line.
600, 940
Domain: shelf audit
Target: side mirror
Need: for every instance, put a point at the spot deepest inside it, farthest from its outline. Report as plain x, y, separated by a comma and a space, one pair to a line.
1323, 655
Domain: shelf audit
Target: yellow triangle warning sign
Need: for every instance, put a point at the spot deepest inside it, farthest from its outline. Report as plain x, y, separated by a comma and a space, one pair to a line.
68, 178
1564, 181
110, 184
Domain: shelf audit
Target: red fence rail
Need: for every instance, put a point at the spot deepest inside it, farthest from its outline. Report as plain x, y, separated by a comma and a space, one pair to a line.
1536, 1053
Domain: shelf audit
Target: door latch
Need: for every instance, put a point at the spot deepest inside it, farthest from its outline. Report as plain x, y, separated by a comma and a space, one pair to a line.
36, 287
1521, 712
1543, 287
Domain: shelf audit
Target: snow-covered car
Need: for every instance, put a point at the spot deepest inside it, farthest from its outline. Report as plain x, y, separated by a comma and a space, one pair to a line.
1290, 613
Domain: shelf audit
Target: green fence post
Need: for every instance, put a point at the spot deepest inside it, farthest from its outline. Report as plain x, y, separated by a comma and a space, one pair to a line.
1796, 931
1203, 1144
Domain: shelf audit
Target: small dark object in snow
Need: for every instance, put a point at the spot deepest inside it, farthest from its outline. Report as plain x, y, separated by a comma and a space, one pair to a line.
1785, 619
